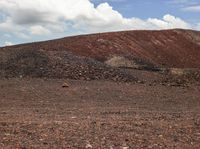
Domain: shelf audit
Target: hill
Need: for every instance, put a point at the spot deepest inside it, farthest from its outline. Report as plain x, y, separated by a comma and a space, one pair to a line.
101, 56
132, 89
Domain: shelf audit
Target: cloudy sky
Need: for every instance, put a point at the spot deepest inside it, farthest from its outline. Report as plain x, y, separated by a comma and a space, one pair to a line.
34, 20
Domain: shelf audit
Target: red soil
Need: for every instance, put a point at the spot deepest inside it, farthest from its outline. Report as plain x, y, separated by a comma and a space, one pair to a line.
169, 48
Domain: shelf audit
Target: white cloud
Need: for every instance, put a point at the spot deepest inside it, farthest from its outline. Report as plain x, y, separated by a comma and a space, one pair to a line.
184, 2
169, 22
187, 5
7, 25
39, 30
41, 17
192, 8
8, 43
198, 26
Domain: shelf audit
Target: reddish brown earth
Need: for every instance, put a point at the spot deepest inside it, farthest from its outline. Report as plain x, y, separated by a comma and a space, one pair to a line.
64, 94
168, 48
37, 113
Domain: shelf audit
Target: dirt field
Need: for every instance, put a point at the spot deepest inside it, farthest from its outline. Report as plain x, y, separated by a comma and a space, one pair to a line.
158, 108
38, 113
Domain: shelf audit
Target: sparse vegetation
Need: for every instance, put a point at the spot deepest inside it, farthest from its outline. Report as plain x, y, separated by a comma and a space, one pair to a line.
119, 61
130, 63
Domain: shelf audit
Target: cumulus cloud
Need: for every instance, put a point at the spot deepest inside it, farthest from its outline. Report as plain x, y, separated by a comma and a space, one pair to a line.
43, 17
169, 21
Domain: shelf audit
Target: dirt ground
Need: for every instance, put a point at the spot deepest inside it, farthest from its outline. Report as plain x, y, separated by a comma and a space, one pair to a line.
39, 113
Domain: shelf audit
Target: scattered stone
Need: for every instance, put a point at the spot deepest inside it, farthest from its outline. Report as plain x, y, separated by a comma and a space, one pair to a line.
65, 85
88, 145
160, 136
124, 146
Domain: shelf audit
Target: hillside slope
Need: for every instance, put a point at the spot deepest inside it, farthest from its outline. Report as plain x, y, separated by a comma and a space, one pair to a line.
166, 48
103, 56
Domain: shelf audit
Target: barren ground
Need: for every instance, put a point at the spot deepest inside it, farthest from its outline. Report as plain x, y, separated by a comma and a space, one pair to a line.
159, 107
39, 113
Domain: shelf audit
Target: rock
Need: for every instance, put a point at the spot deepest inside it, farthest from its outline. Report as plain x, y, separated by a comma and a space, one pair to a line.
88, 145
141, 82
65, 85
124, 146
160, 136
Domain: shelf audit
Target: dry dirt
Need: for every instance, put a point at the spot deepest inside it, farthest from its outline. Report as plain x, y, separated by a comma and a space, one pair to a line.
40, 113
167, 48
121, 90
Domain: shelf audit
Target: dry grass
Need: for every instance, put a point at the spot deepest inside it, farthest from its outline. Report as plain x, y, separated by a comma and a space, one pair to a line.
177, 71
119, 61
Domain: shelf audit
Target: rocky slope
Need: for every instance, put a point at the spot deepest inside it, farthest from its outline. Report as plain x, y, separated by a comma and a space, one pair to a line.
169, 48
102, 56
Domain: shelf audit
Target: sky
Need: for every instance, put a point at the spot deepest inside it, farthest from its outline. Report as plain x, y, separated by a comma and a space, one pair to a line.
24, 21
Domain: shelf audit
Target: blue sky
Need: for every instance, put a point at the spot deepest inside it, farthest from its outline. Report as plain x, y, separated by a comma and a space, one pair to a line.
155, 8
28, 21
